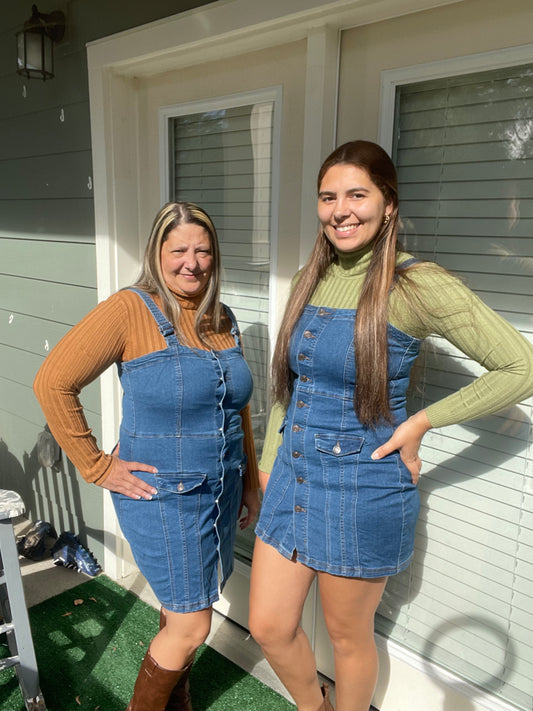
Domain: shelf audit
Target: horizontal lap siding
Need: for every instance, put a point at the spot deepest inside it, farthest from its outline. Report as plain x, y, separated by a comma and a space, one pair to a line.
47, 269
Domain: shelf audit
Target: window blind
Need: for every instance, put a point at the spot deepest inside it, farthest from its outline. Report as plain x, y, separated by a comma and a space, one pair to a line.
464, 152
222, 160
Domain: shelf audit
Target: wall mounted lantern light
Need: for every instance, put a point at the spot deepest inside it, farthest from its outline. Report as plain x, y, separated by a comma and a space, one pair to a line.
35, 44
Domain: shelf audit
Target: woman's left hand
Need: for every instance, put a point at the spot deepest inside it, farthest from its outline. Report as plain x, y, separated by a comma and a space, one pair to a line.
250, 501
406, 439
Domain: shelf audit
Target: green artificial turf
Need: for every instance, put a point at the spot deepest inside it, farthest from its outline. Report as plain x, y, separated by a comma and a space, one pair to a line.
89, 653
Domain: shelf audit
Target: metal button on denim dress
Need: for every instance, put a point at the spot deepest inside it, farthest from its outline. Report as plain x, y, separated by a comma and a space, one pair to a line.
181, 414
326, 499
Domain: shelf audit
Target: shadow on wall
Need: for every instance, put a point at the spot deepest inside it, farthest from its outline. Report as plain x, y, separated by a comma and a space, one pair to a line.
494, 679
55, 494
12, 476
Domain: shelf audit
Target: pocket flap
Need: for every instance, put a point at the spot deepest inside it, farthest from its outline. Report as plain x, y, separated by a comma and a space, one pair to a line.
180, 483
338, 445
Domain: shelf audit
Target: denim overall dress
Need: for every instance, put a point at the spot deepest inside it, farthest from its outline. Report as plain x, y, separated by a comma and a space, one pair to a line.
181, 414
327, 502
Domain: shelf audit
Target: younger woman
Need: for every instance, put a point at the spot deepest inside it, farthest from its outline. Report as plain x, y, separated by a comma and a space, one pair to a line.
341, 464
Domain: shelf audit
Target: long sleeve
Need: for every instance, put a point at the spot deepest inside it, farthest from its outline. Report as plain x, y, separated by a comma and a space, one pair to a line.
79, 358
439, 303
451, 310
273, 438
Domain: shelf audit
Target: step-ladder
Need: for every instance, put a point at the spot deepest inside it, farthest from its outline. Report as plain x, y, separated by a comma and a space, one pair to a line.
15, 623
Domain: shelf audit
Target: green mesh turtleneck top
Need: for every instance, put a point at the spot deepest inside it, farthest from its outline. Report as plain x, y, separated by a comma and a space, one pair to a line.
447, 308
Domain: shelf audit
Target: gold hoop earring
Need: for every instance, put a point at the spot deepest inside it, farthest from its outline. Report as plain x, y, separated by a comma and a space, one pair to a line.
386, 219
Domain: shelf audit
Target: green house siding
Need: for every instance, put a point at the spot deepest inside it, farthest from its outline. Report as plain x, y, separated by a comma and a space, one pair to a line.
47, 245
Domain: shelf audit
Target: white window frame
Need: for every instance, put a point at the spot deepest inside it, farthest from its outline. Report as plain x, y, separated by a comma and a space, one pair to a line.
484, 61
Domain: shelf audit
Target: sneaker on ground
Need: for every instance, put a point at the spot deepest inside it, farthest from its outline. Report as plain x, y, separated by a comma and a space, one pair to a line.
70, 552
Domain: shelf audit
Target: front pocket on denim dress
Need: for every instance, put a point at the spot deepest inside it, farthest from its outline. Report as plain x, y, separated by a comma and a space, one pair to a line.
179, 483
339, 460
185, 500
338, 445
338, 456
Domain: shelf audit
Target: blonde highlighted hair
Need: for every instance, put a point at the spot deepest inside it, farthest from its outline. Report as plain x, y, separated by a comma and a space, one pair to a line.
151, 280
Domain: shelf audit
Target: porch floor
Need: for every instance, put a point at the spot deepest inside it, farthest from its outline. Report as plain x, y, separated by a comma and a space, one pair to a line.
42, 580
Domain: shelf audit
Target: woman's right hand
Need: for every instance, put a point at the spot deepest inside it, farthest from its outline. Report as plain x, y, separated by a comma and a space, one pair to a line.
122, 481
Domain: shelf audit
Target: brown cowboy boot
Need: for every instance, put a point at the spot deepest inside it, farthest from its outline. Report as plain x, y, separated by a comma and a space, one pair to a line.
153, 686
326, 705
180, 696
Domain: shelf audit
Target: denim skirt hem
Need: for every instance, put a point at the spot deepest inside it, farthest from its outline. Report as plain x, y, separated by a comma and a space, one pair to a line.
191, 606
322, 567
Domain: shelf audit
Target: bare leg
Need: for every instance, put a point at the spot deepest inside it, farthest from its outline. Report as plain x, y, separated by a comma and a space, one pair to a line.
175, 644
277, 594
349, 606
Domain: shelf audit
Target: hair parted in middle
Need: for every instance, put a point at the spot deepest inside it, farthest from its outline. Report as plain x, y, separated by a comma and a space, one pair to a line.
371, 397
151, 280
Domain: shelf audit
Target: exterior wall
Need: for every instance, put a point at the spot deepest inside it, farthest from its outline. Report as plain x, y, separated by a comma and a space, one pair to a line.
442, 33
47, 245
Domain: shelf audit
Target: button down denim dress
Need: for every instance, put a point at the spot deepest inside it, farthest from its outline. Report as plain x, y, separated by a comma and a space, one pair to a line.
181, 414
327, 501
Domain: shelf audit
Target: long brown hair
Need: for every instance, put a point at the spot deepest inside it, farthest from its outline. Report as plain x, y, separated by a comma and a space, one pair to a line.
151, 280
371, 397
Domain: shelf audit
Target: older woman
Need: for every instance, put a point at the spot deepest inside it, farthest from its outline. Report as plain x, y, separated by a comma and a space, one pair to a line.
186, 463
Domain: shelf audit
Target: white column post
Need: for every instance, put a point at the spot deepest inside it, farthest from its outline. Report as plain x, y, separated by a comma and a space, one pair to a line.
320, 123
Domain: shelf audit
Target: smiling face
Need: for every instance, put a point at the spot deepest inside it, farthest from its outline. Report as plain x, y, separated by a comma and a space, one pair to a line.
351, 208
186, 259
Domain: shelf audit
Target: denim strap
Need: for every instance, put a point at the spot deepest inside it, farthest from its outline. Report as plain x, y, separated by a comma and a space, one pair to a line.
165, 327
234, 327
